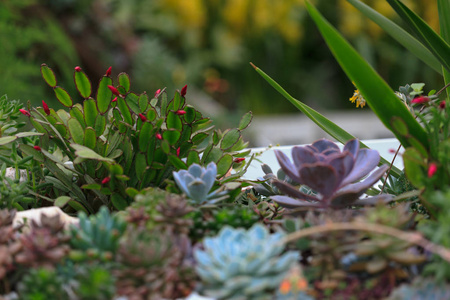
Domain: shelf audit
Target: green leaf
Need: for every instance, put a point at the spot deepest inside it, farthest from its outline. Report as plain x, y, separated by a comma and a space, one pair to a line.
193, 157
230, 138
224, 164
63, 97
76, 131
29, 150
104, 94
140, 165
379, 96
189, 117
412, 161
145, 136
61, 201
143, 102
399, 126
245, 121
90, 112
444, 25
213, 156
77, 206
434, 43
173, 121
125, 111
92, 186
118, 202
151, 114
82, 84
132, 100
100, 125
90, 138
177, 162
77, 113
124, 80
87, 153
48, 75
7, 139
400, 35
199, 137
171, 136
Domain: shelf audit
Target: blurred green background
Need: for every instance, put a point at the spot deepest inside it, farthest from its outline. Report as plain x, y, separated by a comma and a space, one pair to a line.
206, 44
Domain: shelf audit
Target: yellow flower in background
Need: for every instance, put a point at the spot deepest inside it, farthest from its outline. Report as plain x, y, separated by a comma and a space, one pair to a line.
358, 98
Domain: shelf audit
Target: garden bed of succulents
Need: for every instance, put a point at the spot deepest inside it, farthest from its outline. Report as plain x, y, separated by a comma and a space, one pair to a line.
159, 206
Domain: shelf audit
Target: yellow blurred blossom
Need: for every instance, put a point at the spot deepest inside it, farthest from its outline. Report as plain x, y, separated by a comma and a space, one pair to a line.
358, 98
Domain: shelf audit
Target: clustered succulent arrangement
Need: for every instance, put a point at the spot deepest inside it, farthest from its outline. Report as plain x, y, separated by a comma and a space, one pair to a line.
163, 210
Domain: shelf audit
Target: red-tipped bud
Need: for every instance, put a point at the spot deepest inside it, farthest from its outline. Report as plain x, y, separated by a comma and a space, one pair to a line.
178, 152
37, 148
183, 91
420, 100
106, 180
392, 151
432, 169
158, 91
114, 90
159, 136
442, 104
108, 72
143, 118
24, 112
45, 106
114, 100
78, 69
239, 159
180, 112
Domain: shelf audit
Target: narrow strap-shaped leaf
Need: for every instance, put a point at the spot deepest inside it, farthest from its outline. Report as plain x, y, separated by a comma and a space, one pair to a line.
425, 33
444, 25
82, 84
399, 34
328, 126
379, 96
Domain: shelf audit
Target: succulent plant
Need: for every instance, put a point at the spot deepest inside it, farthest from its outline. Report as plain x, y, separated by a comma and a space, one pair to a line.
209, 223
421, 289
9, 247
267, 188
293, 286
152, 267
94, 281
43, 245
42, 283
331, 173
197, 182
97, 236
121, 142
243, 264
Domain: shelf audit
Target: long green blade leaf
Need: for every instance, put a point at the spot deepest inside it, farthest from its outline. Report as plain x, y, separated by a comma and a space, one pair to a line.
444, 24
328, 126
425, 33
399, 34
379, 96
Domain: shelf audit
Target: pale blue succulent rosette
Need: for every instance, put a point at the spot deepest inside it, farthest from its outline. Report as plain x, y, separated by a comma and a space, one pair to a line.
241, 264
197, 181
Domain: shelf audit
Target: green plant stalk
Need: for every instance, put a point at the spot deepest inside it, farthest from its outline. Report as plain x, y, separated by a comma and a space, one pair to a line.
328, 126
444, 25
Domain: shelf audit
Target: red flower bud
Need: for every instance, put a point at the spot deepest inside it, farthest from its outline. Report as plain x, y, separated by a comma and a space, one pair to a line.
114, 100
78, 69
158, 91
45, 106
37, 148
442, 104
239, 159
180, 112
25, 112
158, 136
108, 72
114, 90
432, 169
183, 91
143, 118
420, 100
178, 152
106, 180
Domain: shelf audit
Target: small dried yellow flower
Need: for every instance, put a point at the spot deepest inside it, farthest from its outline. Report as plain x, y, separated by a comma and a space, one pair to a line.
360, 101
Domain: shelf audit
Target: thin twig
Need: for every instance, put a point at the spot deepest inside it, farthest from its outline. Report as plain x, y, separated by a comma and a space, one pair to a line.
410, 237
390, 167
443, 89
